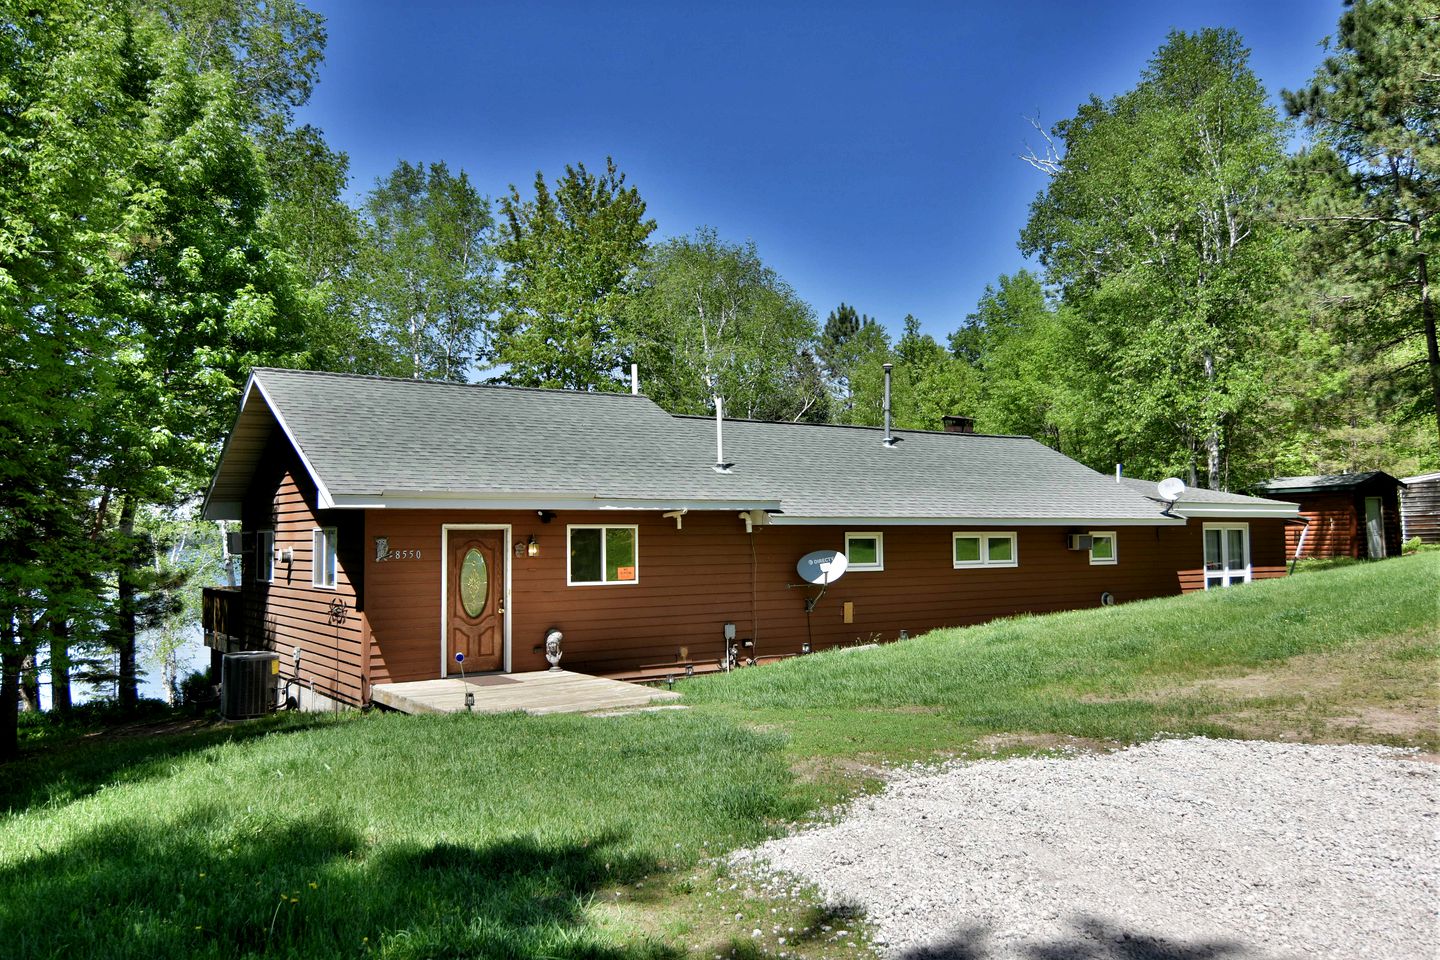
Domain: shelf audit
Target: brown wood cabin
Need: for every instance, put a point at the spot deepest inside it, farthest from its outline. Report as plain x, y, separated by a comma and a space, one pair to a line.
388, 524
1346, 514
1420, 508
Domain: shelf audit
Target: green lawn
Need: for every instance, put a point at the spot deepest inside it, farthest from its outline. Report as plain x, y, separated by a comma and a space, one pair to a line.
391, 836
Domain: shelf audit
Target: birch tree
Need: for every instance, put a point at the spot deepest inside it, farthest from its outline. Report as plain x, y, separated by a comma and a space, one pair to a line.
1156, 225
712, 320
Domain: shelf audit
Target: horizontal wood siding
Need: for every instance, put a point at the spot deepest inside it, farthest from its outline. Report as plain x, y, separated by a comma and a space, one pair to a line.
694, 580
1420, 503
290, 612
1337, 522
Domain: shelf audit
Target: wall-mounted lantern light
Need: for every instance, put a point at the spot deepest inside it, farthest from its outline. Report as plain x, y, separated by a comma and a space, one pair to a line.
532, 548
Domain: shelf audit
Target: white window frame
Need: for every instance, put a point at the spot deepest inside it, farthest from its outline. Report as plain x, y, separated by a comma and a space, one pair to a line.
327, 537
879, 539
1225, 573
985, 537
265, 556
602, 527
1114, 557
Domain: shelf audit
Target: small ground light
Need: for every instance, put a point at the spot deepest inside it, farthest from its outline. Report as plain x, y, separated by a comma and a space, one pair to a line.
904, 634
689, 669
805, 647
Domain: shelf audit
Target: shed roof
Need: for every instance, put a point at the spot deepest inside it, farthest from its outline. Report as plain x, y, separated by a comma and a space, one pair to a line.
385, 442
1320, 483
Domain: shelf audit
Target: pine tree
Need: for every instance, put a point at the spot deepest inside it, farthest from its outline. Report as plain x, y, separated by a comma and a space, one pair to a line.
1373, 108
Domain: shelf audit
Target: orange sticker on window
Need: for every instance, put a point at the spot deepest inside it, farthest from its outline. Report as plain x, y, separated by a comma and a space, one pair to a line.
624, 573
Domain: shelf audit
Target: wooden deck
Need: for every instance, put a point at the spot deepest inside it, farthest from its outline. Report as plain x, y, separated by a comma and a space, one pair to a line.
547, 691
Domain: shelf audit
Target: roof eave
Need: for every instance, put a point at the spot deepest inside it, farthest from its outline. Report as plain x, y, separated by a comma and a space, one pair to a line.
1202, 509
533, 500
794, 520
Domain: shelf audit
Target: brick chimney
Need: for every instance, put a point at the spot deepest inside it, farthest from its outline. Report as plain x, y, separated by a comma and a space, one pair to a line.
959, 424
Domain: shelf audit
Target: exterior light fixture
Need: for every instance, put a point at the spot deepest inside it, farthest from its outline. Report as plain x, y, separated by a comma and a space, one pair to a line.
689, 669
469, 699
805, 647
904, 634
532, 547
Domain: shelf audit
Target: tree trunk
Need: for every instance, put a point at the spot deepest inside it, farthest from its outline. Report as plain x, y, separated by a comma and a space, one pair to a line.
29, 684
127, 686
1212, 437
1432, 349
9, 688
60, 698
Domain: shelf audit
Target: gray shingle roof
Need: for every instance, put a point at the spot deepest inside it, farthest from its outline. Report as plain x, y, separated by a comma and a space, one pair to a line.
369, 436
836, 471
1197, 494
374, 440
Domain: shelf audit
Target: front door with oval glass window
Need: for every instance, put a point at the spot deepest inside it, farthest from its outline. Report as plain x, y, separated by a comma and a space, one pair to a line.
475, 602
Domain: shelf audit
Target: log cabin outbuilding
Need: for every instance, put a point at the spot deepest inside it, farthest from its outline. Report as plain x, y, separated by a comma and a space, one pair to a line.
1346, 514
386, 525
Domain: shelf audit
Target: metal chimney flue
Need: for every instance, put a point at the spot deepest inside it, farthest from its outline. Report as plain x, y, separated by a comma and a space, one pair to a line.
721, 466
889, 440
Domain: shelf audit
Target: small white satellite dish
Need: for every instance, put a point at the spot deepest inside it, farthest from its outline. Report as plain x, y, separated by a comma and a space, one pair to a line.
1171, 489
822, 567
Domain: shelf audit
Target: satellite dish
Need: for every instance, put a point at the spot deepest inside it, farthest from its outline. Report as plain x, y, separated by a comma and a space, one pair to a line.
823, 567
1171, 489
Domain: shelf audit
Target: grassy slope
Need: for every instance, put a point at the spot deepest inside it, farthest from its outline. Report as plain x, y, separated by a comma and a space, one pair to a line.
1121, 673
511, 836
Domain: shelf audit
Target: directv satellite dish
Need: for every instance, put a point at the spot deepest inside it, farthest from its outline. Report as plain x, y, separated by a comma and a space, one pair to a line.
1171, 489
823, 567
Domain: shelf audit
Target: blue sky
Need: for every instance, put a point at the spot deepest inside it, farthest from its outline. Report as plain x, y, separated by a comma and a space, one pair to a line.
870, 150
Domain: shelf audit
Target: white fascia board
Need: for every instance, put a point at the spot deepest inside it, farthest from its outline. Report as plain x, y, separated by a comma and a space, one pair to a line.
323, 492
1262, 510
410, 500
795, 521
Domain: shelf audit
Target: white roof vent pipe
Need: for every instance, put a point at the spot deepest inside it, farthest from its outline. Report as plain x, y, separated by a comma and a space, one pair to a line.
635, 379
890, 440
721, 466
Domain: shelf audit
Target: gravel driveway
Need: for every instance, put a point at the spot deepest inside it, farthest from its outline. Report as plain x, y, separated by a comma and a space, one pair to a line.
1192, 849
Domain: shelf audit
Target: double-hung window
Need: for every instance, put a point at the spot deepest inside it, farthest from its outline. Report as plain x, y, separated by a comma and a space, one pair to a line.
602, 554
265, 556
322, 557
865, 551
1102, 547
985, 549
1227, 554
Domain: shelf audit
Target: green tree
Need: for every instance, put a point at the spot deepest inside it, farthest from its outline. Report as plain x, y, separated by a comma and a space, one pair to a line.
426, 268
1156, 226
930, 382
711, 319
849, 341
1373, 109
1016, 338
571, 260
139, 286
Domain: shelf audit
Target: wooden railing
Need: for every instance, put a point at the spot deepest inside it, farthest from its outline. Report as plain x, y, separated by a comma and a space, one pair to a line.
223, 618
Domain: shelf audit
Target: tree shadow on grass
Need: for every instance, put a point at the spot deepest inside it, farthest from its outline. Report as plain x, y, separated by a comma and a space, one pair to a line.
226, 883
62, 771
